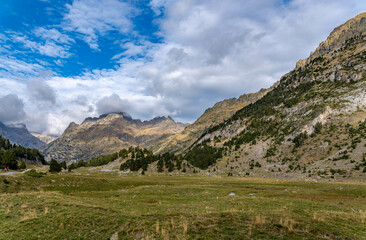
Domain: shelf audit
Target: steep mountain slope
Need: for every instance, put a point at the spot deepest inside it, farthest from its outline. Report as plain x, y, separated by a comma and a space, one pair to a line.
18, 134
312, 123
107, 134
211, 117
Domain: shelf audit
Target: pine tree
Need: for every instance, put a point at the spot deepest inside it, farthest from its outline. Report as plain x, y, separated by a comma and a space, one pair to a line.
55, 166
63, 165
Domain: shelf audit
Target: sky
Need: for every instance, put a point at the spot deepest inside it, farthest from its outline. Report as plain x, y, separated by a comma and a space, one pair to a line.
64, 60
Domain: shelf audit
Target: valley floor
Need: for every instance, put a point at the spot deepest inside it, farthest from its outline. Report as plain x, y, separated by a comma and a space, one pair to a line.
83, 205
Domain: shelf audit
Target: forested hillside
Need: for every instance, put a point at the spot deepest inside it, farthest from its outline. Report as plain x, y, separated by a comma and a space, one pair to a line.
11, 155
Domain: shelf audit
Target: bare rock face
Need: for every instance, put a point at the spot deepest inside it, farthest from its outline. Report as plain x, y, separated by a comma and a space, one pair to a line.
107, 134
312, 123
44, 138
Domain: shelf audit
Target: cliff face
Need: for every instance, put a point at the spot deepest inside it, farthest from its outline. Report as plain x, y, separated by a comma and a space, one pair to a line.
311, 123
108, 134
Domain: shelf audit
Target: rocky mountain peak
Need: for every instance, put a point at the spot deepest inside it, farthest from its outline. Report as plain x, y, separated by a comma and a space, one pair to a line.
109, 133
338, 38
109, 116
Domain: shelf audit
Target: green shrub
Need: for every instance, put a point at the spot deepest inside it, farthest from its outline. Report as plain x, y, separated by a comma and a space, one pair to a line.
63, 165
33, 173
55, 166
318, 128
22, 165
299, 139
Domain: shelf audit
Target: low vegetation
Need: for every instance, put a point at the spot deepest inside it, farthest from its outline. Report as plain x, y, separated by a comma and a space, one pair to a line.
85, 205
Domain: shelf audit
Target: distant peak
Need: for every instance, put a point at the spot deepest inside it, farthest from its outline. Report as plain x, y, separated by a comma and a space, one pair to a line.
159, 119
123, 114
72, 124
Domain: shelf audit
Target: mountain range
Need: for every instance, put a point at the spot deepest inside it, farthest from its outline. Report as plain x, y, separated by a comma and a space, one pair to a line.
310, 123
109, 133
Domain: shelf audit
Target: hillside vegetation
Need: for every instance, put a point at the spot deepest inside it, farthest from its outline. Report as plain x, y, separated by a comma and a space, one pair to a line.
311, 124
11, 155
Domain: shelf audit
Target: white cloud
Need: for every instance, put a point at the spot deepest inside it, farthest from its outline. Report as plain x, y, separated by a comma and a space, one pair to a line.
112, 104
48, 48
10, 66
41, 92
92, 18
53, 34
11, 109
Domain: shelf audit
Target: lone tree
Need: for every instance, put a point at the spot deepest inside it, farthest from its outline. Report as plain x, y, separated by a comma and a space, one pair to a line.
55, 166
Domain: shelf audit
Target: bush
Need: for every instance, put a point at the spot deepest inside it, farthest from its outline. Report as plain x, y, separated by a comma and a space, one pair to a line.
33, 173
318, 128
63, 165
6, 181
55, 166
22, 165
299, 139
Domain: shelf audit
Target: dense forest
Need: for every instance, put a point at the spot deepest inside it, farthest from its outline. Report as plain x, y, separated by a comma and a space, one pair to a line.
12, 155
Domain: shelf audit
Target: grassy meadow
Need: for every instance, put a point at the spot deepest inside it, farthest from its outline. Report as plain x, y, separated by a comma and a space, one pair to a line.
105, 205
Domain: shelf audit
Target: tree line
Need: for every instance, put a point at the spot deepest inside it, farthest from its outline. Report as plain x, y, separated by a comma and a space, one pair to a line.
12, 155
201, 156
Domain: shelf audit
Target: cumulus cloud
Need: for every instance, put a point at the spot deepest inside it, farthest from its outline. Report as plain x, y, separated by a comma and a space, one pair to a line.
92, 18
81, 100
41, 92
112, 103
11, 109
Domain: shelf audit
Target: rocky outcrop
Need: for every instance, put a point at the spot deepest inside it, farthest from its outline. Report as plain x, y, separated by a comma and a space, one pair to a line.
107, 134
44, 138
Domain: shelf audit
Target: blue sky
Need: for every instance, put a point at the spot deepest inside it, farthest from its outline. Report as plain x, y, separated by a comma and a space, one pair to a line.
63, 61
33, 19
